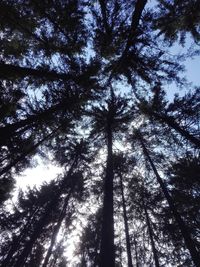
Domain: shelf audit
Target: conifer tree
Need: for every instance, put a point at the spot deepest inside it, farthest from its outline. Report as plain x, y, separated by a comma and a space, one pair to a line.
76, 77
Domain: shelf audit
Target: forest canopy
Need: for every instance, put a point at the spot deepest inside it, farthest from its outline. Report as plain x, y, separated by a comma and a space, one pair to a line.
98, 89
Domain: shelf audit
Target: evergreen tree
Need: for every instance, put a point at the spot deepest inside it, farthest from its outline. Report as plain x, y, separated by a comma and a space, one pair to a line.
76, 77
181, 224
109, 119
176, 18
184, 188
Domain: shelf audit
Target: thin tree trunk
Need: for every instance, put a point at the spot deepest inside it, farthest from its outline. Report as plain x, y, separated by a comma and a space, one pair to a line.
183, 228
6, 135
8, 261
136, 254
36, 233
28, 248
136, 16
128, 245
104, 15
96, 258
139, 7
150, 230
43, 220
120, 253
53, 264
57, 227
173, 124
107, 250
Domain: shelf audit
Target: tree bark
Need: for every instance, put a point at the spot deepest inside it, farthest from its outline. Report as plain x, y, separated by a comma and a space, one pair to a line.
150, 230
128, 245
104, 16
183, 228
107, 250
139, 7
35, 235
57, 227
136, 16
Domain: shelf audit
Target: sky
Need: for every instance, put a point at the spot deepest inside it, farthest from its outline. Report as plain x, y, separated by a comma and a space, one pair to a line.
45, 171
36, 175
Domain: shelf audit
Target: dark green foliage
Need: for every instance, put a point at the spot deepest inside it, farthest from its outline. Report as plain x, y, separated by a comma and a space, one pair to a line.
89, 247
176, 18
184, 186
181, 116
84, 85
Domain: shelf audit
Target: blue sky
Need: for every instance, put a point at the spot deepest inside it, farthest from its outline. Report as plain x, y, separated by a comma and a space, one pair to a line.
193, 70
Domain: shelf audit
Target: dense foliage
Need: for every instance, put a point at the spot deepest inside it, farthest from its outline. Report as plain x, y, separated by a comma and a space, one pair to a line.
85, 83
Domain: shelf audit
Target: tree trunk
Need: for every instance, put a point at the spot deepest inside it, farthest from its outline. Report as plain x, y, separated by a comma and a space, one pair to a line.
8, 261
57, 227
107, 250
96, 258
136, 16
29, 245
128, 245
139, 7
173, 124
136, 253
35, 235
183, 228
44, 219
53, 264
150, 230
104, 16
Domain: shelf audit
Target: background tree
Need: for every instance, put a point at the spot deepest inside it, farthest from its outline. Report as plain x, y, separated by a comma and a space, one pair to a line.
176, 18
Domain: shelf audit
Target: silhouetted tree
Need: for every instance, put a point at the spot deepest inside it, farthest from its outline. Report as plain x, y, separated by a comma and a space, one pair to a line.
176, 18
76, 77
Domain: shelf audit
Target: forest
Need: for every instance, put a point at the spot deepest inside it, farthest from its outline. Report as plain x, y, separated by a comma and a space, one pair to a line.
100, 90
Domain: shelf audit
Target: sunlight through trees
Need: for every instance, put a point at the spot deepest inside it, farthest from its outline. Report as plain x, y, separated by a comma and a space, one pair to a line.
83, 87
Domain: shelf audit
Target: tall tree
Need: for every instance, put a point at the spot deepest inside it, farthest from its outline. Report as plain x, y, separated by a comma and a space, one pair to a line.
75, 78
109, 119
155, 254
184, 189
121, 164
183, 228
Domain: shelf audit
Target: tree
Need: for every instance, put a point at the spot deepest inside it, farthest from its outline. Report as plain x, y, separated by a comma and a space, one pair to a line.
156, 260
89, 246
75, 79
176, 18
49, 209
109, 119
183, 228
182, 110
120, 164
184, 184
